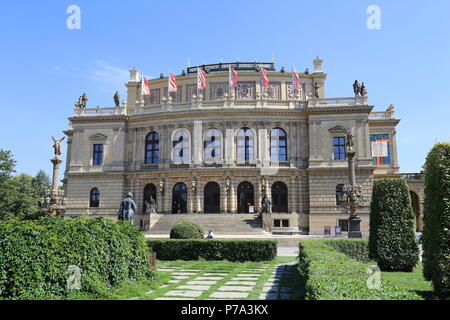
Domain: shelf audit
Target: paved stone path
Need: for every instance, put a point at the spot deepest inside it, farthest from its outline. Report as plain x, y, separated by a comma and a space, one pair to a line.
267, 281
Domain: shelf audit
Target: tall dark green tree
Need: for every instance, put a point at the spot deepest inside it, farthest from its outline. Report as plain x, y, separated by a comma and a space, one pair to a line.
436, 231
41, 183
392, 240
7, 164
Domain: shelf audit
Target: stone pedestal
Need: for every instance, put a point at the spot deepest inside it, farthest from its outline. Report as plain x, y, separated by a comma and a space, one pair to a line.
354, 227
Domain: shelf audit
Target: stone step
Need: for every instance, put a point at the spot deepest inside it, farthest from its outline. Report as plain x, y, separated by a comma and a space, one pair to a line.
219, 223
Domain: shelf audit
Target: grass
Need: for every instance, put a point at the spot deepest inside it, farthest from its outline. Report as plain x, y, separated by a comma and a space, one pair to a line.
413, 281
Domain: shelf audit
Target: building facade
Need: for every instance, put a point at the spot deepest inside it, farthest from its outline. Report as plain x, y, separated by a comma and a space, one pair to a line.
221, 149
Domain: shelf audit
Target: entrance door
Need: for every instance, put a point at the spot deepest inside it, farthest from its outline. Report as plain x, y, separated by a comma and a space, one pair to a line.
246, 197
149, 192
211, 202
179, 198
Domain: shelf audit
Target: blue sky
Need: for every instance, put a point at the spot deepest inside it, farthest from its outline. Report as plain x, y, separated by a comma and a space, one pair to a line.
45, 66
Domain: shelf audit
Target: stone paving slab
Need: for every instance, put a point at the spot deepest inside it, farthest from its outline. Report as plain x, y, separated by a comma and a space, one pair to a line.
163, 286
244, 278
242, 283
180, 277
201, 282
194, 287
235, 288
172, 299
184, 293
215, 274
188, 270
229, 295
149, 292
165, 270
269, 296
183, 273
248, 275
209, 278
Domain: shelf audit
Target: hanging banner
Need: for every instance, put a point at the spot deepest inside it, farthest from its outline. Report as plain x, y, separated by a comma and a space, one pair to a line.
379, 149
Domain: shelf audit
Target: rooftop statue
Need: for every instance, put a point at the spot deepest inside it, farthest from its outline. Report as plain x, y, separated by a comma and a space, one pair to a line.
117, 99
84, 100
356, 88
57, 145
363, 90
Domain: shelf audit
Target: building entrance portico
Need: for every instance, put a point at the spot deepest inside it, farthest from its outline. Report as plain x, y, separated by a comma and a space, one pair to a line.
179, 198
211, 199
246, 197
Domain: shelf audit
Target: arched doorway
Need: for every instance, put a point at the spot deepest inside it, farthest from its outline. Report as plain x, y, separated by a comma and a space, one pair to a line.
149, 192
279, 197
211, 199
179, 198
415, 203
246, 197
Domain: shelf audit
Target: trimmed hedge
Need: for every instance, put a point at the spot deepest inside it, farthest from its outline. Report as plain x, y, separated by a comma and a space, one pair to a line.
331, 275
35, 256
436, 231
354, 248
211, 249
186, 230
392, 239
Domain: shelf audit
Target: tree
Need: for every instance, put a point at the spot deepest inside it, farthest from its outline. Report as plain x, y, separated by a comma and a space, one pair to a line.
436, 231
19, 198
392, 240
7, 164
41, 183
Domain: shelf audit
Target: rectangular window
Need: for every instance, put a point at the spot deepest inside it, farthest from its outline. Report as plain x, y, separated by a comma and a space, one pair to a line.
278, 223
285, 223
97, 158
339, 148
343, 224
381, 138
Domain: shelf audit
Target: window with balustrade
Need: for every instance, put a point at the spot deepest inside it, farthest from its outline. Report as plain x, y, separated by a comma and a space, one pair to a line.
212, 146
181, 146
278, 145
152, 148
245, 145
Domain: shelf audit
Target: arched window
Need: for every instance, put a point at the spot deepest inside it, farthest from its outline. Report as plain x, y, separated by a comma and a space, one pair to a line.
181, 146
279, 197
179, 198
278, 145
245, 145
152, 148
94, 198
212, 146
339, 193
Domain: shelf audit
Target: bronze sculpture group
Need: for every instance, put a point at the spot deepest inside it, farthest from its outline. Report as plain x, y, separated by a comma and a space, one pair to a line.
359, 89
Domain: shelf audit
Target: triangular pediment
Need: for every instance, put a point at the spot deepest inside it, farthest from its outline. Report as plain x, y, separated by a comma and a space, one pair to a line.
98, 136
338, 129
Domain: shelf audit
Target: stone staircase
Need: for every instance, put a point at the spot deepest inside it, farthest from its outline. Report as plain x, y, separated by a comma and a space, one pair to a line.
220, 224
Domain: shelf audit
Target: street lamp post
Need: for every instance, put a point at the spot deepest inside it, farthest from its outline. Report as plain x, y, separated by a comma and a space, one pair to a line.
351, 197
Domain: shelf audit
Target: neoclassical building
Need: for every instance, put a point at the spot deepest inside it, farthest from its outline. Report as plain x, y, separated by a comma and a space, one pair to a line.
219, 150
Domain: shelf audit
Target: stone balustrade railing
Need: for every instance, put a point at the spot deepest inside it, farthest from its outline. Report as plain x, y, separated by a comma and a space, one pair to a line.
229, 103
381, 115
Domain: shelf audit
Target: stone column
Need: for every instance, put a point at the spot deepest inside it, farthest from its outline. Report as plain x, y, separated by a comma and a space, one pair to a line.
55, 181
292, 142
258, 196
224, 201
199, 197
292, 200
232, 197
197, 143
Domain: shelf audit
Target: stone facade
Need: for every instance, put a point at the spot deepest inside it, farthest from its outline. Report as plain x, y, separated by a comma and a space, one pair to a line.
306, 169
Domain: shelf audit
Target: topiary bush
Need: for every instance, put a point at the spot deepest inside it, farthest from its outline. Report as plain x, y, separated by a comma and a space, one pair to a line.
35, 256
354, 248
392, 240
214, 250
436, 231
186, 230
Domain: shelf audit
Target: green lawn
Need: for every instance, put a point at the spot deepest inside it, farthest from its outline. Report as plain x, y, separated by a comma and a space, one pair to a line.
412, 281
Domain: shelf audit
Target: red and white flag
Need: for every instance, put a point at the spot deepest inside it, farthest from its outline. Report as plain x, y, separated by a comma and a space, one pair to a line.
295, 79
145, 91
201, 79
264, 78
172, 82
233, 77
